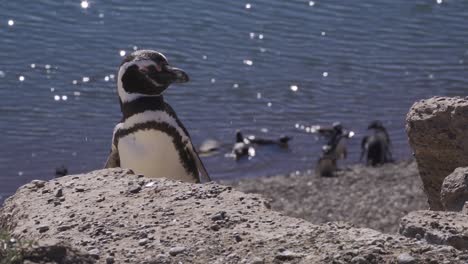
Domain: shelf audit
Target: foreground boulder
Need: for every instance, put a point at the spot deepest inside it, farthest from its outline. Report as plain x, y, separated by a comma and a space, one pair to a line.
442, 228
454, 191
437, 130
117, 217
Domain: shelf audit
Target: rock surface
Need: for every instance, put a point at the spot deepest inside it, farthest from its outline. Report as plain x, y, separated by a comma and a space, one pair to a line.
192, 223
454, 191
367, 197
437, 227
50, 252
437, 133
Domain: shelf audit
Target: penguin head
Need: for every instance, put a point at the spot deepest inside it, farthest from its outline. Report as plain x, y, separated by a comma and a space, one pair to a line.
146, 73
376, 124
338, 127
284, 139
239, 136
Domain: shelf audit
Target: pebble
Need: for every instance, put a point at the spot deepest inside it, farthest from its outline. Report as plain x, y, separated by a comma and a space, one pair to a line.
406, 258
287, 255
59, 192
176, 251
257, 260
38, 183
79, 189
43, 229
94, 253
237, 237
359, 260
219, 216
110, 260
143, 242
64, 228
135, 189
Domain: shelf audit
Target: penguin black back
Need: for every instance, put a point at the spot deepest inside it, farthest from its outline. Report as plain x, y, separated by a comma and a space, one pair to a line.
376, 147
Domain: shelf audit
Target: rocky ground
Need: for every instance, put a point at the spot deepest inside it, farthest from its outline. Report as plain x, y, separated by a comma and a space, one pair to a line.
113, 216
366, 197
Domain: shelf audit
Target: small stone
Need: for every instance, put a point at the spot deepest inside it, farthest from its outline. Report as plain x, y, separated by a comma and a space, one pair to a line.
143, 242
219, 216
110, 260
257, 260
94, 253
176, 251
238, 238
359, 260
287, 255
79, 189
406, 258
64, 228
38, 183
215, 227
59, 192
134, 189
43, 229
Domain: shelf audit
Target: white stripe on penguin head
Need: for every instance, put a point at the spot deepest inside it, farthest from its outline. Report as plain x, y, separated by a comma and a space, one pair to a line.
142, 64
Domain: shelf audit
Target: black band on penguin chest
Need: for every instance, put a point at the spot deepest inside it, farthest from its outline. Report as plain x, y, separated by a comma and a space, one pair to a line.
182, 147
142, 104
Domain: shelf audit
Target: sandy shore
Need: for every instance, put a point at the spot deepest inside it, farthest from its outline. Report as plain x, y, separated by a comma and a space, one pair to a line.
366, 197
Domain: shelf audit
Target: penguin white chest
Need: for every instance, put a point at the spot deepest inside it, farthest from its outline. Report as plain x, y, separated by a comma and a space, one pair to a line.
153, 154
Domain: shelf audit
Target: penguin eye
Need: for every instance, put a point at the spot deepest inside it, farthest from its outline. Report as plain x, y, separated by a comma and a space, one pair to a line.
156, 68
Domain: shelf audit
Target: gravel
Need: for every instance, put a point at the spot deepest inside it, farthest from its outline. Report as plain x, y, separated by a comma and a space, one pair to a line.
364, 196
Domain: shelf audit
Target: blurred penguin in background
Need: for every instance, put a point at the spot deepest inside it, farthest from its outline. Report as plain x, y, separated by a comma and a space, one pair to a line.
242, 147
334, 150
376, 147
326, 165
337, 142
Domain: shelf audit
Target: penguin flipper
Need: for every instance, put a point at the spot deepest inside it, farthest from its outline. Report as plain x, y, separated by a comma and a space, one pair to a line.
113, 161
203, 174
204, 177
200, 167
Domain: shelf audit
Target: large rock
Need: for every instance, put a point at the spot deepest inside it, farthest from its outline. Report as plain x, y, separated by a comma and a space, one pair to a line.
437, 130
437, 227
118, 217
454, 191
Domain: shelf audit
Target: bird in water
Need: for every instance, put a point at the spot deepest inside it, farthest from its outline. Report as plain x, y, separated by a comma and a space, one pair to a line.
150, 139
376, 148
242, 147
209, 147
61, 171
281, 142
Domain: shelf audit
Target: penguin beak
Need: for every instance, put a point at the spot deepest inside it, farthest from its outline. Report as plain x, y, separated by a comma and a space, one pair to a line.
164, 75
176, 75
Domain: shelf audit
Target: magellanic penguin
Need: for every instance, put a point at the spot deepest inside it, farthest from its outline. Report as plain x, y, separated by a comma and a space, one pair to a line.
281, 141
376, 147
242, 147
334, 150
150, 139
